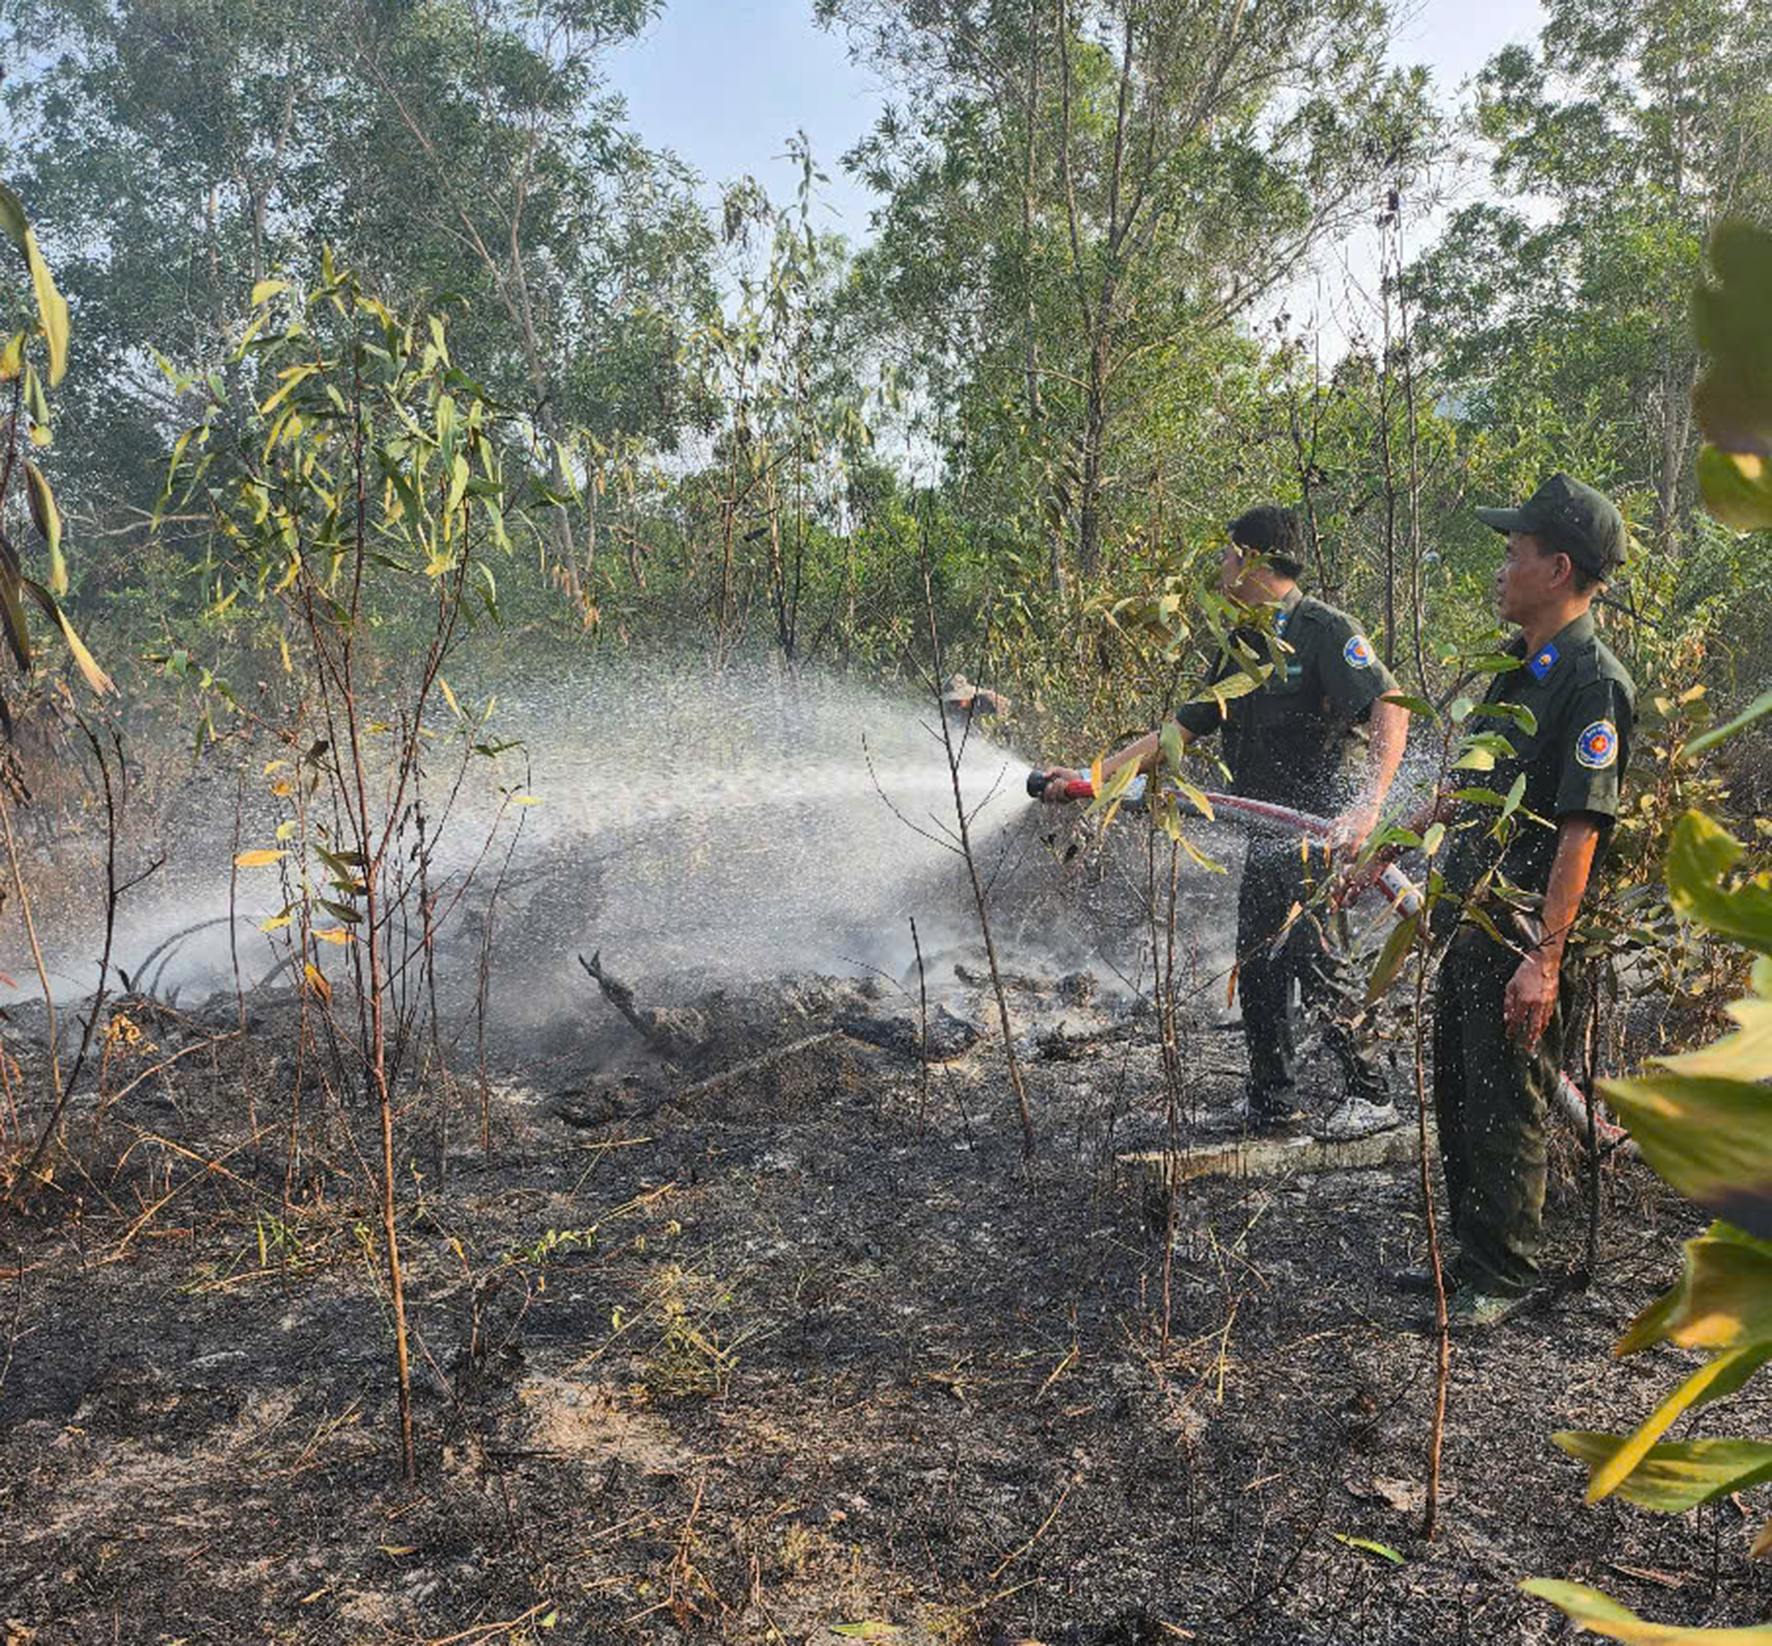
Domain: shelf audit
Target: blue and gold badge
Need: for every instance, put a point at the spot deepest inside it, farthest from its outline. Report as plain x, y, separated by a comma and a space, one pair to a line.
1597, 747
1358, 652
1543, 661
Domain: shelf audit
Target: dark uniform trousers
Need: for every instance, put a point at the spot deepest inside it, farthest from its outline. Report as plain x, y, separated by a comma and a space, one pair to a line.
1275, 877
1492, 1100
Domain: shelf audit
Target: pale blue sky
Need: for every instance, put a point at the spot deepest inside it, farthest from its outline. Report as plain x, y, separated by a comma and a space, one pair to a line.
725, 83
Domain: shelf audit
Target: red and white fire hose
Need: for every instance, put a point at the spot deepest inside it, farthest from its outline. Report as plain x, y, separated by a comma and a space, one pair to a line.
1405, 899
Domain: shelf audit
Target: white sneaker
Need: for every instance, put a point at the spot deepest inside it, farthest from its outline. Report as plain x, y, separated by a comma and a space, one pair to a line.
1355, 1117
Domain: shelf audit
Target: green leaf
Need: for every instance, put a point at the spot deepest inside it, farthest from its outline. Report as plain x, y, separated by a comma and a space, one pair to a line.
1170, 739
1593, 1610
1761, 705
1733, 321
1474, 759
1390, 961
1737, 487
1698, 861
38, 407
1676, 1477
1415, 705
1710, 1139
12, 217
12, 611
1370, 1546
1514, 796
1744, 1055
47, 518
1723, 1299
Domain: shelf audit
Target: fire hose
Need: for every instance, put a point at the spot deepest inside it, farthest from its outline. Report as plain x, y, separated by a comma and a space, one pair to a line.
1405, 899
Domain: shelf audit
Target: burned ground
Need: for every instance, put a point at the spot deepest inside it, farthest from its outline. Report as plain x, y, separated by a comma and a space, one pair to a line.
781, 1354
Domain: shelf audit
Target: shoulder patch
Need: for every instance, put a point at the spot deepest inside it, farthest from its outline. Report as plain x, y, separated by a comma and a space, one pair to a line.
1358, 652
1597, 747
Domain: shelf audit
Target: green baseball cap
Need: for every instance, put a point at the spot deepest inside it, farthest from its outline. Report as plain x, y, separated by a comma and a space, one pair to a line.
1574, 519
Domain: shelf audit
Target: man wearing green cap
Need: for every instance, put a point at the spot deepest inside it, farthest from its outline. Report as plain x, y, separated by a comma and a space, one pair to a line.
1293, 741
1501, 1008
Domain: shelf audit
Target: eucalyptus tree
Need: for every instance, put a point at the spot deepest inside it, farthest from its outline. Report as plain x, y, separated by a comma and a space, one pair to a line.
178, 152
1083, 196
1558, 306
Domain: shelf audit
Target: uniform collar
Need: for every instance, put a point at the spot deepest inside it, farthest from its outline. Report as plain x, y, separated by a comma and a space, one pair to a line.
1287, 604
1542, 664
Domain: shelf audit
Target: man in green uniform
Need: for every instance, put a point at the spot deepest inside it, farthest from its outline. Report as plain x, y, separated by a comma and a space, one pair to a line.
1289, 742
1501, 1009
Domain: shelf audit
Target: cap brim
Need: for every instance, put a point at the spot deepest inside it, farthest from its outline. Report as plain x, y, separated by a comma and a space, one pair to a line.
1504, 520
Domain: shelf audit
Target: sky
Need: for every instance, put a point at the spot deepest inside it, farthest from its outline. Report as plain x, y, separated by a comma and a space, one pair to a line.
726, 83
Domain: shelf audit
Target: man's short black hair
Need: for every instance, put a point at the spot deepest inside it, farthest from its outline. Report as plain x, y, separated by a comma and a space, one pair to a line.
1554, 540
1278, 534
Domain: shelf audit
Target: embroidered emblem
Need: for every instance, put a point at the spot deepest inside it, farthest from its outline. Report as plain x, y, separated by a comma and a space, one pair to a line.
1358, 652
1280, 624
1543, 661
1597, 747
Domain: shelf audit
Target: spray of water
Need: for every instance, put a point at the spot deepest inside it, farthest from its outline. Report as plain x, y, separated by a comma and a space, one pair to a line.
724, 828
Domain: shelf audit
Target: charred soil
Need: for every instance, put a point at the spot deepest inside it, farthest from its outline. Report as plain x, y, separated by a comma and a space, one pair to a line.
721, 1340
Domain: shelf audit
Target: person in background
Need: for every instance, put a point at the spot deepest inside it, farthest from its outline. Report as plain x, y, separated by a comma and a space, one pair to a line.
1290, 741
1501, 1007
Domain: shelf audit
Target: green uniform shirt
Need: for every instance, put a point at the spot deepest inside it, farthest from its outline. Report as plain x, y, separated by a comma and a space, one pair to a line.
1573, 763
1288, 740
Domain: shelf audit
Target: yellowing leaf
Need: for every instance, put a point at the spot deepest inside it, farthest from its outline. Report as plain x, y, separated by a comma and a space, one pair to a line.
867, 1629
317, 981
1593, 1610
1675, 1477
1720, 1376
12, 357
52, 308
275, 924
265, 290
261, 858
332, 934
96, 677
